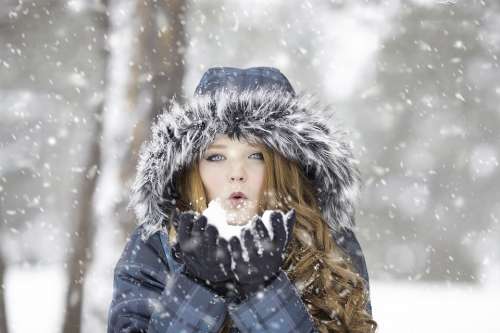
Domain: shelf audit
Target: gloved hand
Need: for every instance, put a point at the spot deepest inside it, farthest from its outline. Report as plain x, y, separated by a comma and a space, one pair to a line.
262, 267
205, 255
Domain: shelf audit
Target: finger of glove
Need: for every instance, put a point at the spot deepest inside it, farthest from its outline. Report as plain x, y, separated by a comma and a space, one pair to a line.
223, 256
261, 229
210, 235
264, 240
199, 226
278, 230
209, 242
193, 241
185, 227
250, 243
236, 250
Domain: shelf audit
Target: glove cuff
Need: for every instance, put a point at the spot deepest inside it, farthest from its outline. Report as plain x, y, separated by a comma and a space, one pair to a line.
225, 289
245, 290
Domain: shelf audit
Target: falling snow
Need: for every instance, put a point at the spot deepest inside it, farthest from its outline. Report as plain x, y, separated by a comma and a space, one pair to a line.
416, 84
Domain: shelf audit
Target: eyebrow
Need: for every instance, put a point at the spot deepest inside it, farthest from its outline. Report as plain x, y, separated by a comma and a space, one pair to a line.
218, 146
224, 146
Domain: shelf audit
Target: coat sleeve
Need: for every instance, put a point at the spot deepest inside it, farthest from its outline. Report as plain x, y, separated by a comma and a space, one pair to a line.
277, 308
347, 240
150, 297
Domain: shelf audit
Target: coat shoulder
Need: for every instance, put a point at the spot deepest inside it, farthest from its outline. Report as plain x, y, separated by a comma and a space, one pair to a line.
142, 253
348, 242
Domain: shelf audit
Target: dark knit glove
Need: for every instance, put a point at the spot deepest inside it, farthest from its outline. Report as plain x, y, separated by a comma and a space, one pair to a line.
262, 267
205, 255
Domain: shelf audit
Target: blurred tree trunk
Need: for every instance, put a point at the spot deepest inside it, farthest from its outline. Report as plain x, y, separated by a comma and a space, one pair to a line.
81, 254
3, 310
155, 78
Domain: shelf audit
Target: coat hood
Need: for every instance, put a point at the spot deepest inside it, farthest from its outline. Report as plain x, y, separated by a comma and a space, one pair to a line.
296, 126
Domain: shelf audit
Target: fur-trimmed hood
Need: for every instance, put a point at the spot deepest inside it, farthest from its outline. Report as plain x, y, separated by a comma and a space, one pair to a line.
296, 126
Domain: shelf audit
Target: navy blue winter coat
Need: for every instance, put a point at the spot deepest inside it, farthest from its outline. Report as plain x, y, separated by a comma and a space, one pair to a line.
150, 294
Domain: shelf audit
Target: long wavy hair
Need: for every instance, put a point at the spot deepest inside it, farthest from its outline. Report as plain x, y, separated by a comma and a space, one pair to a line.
333, 292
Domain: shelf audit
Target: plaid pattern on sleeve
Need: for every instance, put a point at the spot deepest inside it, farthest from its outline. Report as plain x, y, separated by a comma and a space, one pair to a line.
185, 306
278, 308
151, 296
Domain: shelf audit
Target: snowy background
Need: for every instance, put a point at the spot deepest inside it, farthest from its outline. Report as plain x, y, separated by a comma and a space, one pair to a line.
416, 84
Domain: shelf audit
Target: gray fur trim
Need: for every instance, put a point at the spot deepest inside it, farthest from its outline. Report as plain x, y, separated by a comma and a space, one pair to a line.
297, 127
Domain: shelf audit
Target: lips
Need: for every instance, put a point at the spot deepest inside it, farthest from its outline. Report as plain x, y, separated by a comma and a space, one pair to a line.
237, 195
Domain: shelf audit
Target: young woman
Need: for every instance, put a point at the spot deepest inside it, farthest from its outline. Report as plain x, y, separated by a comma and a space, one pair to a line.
245, 130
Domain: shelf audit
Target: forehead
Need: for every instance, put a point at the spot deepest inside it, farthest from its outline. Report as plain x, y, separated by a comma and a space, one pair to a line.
224, 140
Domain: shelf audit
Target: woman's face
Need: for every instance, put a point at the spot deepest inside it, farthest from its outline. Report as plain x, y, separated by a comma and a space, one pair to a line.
231, 166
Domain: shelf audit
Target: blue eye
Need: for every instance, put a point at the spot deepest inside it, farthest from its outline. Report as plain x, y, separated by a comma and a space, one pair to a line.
209, 158
259, 154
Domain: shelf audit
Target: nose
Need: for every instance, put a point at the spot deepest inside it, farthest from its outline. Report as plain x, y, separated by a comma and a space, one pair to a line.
240, 178
237, 173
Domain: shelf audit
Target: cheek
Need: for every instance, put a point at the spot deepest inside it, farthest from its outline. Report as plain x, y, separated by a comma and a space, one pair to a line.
209, 177
257, 179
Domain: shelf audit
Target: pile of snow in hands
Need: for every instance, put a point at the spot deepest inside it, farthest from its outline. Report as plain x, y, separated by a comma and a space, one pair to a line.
219, 217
